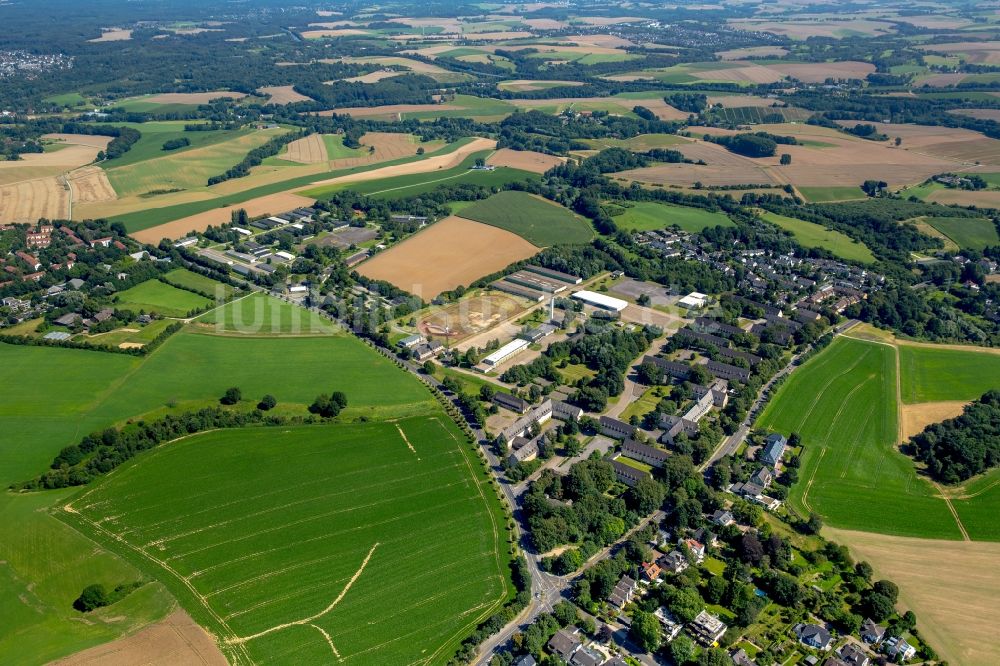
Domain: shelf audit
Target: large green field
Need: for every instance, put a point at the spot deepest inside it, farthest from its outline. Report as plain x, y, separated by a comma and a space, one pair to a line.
156, 133
843, 403
536, 220
182, 277
833, 193
262, 314
809, 234
648, 215
356, 543
973, 233
50, 397
161, 298
932, 374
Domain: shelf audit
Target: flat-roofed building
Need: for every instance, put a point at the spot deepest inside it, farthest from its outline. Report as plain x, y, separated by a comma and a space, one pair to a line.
601, 301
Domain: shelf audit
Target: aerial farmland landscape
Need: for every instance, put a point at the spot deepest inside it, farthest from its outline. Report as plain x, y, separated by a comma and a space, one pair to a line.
572, 333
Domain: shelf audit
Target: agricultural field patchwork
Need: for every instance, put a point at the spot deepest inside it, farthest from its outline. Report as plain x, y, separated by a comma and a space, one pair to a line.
282, 541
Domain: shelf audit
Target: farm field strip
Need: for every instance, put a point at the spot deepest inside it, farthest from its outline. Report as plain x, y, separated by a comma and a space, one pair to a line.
323, 553
538, 221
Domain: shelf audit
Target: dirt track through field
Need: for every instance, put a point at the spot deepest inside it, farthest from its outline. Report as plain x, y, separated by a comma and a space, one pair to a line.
423, 166
952, 586
447, 254
272, 204
307, 150
174, 640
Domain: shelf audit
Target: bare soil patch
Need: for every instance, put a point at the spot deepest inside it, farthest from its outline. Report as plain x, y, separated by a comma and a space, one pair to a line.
917, 417
753, 52
193, 98
423, 166
271, 204
113, 35
174, 640
449, 253
283, 95
90, 185
528, 160
955, 602
471, 316
307, 150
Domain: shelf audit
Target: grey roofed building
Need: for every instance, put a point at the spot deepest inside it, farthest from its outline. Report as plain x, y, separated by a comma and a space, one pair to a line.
716, 327
853, 655
628, 475
723, 518
644, 453
511, 402
752, 359
674, 369
774, 448
56, 335
410, 341
726, 371
740, 658
707, 628
674, 561
615, 428
872, 632
69, 319
564, 643
524, 453
76, 283
697, 339
565, 411
586, 657
805, 316
622, 592
762, 477
526, 660
746, 489
813, 635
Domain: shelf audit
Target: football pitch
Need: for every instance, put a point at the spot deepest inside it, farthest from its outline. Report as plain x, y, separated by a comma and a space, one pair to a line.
363, 543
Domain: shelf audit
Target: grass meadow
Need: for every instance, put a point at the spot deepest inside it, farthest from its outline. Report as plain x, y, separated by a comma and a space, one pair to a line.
162, 298
182, 277
534, 219
649, 215
833, 193
260, 314
809, 234
934, 374
843, 404
50, 397
156, 133
974, 233
366, 543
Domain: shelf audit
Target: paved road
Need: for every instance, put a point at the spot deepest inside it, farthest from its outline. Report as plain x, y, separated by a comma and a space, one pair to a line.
731, 443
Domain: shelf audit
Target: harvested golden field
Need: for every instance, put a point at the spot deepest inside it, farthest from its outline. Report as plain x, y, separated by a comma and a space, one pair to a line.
721, 168
394, 61
283, 95
129, 204
528, 160
79, 150
89, 140
432, 163
916, 417
947, 143
374, 77
192, 98
271, 204
820, 28
952, 586
974, 52
525, 85
388, 111
602, 21
174, 640
90, 185
449, 253
28, 200
981, 198
981, 114
339, 32
113, 35
738, 101
818, 72
307, 150
606, 41
753, 52
942, 80
544, 24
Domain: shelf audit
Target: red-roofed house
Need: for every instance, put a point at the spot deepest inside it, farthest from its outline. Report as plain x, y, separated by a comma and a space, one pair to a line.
32, 261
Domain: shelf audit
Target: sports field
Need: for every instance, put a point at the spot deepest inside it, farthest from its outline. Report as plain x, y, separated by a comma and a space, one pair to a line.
974, 233
161, 298
648, 215
360, 543
809, 234
538, 221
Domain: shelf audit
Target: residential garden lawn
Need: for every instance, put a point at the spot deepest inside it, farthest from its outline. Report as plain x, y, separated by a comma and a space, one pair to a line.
972, 233
933, 375
182, 277
538, 221
260, 314
156, 133
714, 566
843, 404
826, 194
649, 215
310, 524
72, 392
809, 234
635, 464
646, 403
162, 298
188, 169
